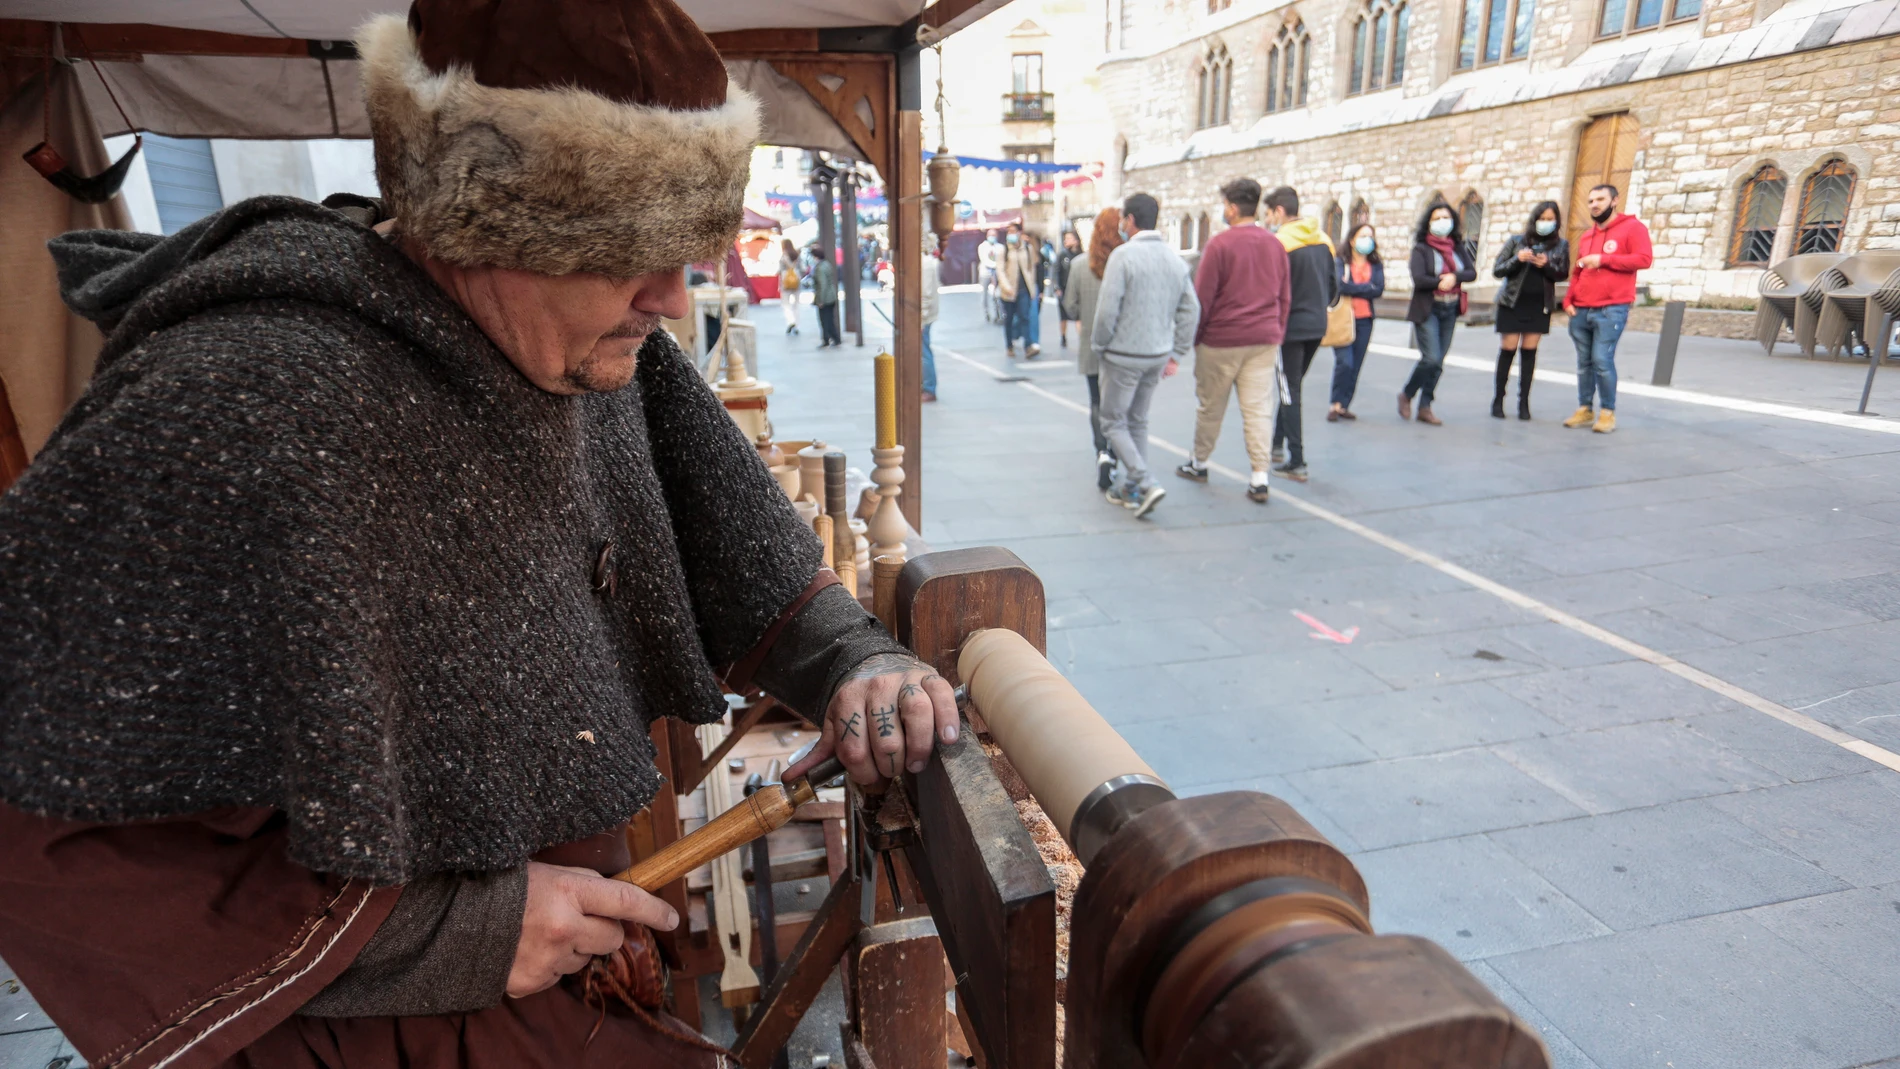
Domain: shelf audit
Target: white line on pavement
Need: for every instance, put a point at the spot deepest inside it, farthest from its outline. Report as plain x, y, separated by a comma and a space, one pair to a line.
1671, 393
1518, 598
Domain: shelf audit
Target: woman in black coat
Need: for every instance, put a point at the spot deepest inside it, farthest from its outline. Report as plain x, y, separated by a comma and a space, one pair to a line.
1441, 266
1531, 264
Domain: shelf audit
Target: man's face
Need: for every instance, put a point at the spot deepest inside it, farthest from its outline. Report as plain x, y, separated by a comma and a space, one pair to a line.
989, 235
1229, 214
569, 334
1276, 217
1601, 203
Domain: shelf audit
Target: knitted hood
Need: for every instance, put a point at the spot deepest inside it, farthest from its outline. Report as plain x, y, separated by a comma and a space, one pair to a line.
309, 542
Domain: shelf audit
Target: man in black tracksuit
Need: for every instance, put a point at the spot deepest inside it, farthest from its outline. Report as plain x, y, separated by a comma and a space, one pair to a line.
1310, 263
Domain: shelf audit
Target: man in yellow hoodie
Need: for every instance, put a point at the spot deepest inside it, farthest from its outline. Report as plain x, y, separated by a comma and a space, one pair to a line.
1315, 289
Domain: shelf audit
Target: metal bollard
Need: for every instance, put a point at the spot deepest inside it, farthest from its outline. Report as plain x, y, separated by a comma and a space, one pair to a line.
1876, 340
1666, 346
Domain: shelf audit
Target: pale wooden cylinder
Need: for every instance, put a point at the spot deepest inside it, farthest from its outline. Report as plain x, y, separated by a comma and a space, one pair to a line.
1058, 742
884, 572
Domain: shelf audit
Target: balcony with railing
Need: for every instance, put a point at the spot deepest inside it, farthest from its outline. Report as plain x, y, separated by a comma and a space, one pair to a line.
1029, 107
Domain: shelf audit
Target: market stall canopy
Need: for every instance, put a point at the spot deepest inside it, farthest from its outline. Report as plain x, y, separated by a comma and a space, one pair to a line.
287, 69
337, 20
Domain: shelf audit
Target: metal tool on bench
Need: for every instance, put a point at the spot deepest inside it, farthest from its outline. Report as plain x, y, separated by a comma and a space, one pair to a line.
760, 813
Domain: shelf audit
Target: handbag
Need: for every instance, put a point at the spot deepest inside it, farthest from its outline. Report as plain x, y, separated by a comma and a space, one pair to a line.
1339, 325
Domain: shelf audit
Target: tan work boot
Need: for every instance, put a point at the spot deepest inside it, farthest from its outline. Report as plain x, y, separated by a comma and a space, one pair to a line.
1606, 421
1582, 417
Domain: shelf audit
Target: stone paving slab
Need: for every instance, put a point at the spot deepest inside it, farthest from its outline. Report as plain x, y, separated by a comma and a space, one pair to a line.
1472, 896
1697, 531
1645, 867
1712, 993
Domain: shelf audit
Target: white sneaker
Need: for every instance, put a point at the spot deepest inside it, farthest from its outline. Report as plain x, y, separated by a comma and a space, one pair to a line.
1149, 499
1032, 351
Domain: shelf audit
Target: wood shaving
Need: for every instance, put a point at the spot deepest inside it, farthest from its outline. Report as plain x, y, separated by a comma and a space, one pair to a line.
1065, 869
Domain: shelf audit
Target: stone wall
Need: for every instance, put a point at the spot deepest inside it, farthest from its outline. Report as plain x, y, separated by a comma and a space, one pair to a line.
1702, 133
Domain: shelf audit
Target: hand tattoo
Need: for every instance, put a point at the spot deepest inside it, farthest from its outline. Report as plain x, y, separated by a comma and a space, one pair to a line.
886, 718
850, 726
882, 664
908, 690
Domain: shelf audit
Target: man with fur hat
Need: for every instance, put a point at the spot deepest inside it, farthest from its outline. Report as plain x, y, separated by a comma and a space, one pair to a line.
338, 609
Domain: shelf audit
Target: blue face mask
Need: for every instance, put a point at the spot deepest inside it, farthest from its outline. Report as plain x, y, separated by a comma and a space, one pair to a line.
1546, 227
1441, 227
1363, 246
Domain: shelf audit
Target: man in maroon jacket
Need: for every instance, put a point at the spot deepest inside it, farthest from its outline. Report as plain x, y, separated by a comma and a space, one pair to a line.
1245, 292
1602, 287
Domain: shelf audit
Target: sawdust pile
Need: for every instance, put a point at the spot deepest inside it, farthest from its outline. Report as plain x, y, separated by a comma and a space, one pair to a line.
1064, 869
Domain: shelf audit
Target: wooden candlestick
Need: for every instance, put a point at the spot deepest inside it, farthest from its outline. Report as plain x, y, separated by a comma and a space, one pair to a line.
885, 366
888, 531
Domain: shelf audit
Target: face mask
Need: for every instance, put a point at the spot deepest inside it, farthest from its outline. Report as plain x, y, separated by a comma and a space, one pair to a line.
1441, 227
1274, 227
1363, 246
1013, 239
1546, 227
1605, 217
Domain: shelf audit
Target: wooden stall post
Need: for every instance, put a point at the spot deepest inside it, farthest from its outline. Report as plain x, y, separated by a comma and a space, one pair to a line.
904, 191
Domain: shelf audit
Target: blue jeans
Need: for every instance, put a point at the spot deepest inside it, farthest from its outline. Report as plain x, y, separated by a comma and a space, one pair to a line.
1023, 319
1347, 359
930, 362
1595, 332
1434, 341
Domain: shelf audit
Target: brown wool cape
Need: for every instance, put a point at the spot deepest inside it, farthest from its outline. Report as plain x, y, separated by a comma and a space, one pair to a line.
312, 595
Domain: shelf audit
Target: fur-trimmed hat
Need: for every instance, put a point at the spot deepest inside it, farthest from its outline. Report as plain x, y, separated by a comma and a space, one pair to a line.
574, 135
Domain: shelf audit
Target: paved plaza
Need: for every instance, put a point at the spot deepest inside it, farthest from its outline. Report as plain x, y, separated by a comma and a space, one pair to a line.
1651, 871
1633, 854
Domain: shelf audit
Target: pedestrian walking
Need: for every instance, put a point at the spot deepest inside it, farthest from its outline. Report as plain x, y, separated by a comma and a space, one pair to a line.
1245, 289
1018, 286
1531, 264
1441, 266
1144, 323
1315, 286
824, 295
928, 306
1065, 261
1080, 298
1602, 288
988, 255
1362, 280
789, 284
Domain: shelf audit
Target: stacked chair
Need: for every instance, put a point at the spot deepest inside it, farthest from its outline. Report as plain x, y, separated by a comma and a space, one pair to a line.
1849, 290
1791, 296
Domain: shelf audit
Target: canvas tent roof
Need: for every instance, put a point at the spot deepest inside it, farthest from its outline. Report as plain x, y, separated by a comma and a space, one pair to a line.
308, 86
338, 19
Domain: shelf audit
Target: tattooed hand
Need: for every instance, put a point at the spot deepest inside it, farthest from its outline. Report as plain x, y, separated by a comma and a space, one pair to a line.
888, 713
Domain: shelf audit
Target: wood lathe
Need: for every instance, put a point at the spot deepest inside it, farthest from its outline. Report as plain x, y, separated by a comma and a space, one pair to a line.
1214, 930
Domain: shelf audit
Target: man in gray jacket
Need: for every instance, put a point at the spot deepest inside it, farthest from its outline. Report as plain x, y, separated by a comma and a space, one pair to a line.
1144, 323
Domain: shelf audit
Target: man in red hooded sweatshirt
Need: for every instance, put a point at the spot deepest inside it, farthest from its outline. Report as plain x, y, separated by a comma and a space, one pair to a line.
1602, 288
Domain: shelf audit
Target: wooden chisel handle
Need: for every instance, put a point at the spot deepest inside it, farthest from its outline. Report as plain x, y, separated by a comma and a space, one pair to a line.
765, 811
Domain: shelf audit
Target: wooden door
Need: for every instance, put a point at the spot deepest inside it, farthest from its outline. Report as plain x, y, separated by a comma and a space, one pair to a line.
1606, 152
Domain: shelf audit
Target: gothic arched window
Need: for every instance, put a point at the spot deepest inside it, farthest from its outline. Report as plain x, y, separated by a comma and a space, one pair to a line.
1379, 36
1824, 199
1287, 64
1757, 217
1214, 88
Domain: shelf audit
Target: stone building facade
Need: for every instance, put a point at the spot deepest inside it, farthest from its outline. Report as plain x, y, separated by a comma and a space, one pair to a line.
1740, 131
